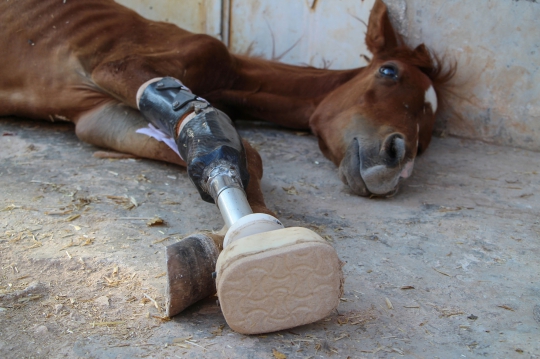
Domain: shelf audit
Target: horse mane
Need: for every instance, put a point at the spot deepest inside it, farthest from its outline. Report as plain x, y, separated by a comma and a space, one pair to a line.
439, 70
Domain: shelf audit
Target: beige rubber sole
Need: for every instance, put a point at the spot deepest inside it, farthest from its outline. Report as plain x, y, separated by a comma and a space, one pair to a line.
278, 280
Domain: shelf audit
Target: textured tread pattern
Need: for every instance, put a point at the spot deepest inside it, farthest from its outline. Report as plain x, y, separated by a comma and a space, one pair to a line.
281, 288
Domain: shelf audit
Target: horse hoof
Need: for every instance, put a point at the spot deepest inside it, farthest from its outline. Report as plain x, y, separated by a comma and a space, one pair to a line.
278, 280
190, 264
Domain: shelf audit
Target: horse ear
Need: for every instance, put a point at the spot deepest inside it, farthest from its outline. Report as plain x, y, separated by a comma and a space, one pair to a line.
423, 56
422, 52
380, 35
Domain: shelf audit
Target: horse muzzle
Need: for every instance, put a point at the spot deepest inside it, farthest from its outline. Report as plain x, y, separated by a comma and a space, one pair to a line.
376, 170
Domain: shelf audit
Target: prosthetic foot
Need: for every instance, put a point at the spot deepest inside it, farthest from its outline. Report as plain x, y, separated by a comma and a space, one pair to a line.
268, 277
276, 280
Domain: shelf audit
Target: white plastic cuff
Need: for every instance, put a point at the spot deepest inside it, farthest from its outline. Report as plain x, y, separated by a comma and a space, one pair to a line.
251, 224
144, 86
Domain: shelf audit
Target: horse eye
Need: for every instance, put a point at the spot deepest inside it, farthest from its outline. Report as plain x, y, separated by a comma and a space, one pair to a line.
389, 71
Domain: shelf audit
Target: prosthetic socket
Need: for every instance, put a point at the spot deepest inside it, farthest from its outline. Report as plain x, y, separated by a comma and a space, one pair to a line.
207, 141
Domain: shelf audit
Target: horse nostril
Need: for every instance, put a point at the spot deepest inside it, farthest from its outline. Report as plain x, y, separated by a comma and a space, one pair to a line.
393, 149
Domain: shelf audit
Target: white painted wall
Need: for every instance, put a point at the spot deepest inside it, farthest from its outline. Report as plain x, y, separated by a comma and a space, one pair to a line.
200, 16
496, 44
321, 33
497, 47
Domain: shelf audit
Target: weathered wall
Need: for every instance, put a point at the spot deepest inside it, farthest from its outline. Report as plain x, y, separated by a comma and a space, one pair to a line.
200, 16
497, 48
496, 44
321, 33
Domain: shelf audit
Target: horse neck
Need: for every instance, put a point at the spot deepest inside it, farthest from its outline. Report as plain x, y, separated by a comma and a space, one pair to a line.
283, 94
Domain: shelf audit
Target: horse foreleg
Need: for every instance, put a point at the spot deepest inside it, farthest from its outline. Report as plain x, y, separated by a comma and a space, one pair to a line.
114, 126
253, 191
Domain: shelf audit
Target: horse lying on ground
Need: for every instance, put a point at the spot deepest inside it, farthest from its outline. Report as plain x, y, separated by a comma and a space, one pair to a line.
88, 62
83, 61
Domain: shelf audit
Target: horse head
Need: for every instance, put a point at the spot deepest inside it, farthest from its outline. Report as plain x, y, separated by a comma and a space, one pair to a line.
374, 125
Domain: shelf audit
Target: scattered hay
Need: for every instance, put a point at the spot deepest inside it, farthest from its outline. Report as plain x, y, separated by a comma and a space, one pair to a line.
219, 331
107, 324
291, 190
356, 318
124, 201
156, 221
407, 287
72, 217
278, 355
443, 273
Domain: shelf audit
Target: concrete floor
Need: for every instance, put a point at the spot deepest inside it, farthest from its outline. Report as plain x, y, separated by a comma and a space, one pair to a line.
448, 268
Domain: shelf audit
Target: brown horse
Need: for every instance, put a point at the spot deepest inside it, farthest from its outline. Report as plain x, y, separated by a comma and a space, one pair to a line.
83, 61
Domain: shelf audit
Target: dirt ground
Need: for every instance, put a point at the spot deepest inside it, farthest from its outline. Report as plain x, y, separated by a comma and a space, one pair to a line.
448, 268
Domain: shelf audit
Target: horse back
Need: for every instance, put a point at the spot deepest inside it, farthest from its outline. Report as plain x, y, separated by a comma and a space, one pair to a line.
51, 48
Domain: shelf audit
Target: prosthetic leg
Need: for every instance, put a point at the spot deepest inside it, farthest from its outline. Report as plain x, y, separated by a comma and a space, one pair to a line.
267, 277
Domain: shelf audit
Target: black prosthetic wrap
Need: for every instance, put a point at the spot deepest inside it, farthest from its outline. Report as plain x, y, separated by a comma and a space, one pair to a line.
165, 102
208, 140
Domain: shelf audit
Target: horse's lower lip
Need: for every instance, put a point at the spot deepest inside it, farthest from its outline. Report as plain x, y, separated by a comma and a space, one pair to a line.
359, 187
364, 190
349, 171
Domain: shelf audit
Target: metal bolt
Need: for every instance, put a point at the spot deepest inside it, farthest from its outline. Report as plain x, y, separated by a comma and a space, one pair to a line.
160, 85
175, 104
198, 107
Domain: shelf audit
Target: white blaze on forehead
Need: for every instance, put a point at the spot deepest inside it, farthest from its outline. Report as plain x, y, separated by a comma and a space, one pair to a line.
431, 98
